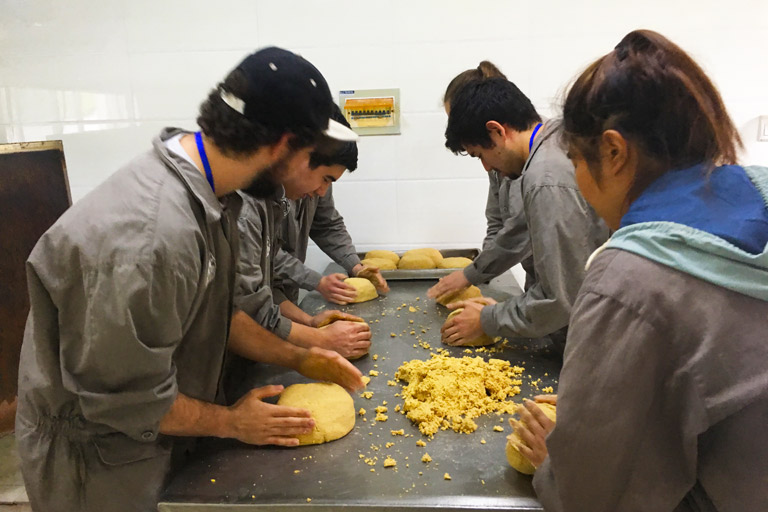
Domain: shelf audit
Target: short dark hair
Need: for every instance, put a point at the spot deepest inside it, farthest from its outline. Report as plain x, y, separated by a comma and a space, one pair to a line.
343, 154
655, 95
480, 101
233, 133
485, 69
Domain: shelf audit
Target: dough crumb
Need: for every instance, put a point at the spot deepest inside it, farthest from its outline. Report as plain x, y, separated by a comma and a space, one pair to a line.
367, 394
449, 392
446, 476
397, 432
393, 335
381, 408
366, 379
389, 462
420, 443
426, 458
361, 412
498, 429
381, 417
373, 373
548, 389
375, 356
482, 441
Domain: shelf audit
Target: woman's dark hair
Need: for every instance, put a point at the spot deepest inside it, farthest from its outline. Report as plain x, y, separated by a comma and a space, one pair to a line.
233, 133
653, 93
480, 101
344, 153
485, 69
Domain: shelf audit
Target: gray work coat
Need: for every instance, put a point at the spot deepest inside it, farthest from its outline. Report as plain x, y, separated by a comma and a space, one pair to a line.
130, 304
506, 242
313, 218
258, 225
663, 396
564, 230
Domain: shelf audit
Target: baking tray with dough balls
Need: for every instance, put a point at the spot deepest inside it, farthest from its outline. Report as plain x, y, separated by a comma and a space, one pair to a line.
480, 341
516, 459
364, 288
331, 407
470, 292
423, 263
380, 263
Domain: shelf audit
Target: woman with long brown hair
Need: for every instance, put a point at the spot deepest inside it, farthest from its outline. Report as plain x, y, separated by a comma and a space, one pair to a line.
663, 396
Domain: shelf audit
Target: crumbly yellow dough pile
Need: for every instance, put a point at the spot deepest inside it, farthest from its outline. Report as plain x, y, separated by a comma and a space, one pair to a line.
449, 392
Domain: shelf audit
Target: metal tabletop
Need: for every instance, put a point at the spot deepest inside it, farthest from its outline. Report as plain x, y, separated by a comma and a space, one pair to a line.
229, 475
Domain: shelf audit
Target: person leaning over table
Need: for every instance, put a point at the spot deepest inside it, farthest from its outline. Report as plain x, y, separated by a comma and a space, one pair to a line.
131, 295
314, 216
259, 247
506, 240
494, 121
663, 395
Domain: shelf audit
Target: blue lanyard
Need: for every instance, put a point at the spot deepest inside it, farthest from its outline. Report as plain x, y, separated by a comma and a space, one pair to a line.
533, 135
204, 158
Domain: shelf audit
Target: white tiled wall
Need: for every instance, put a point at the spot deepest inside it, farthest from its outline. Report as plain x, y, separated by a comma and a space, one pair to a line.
106, 75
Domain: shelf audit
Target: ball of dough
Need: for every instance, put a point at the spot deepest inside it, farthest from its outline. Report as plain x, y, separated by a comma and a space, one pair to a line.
415, 262
466, 293
387, 255
365, 289
380, 263
482, 340
516, 459
433, 254
331, 406
455, 262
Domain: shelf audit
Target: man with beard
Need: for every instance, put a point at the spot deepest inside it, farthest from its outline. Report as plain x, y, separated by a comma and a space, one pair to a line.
131, 295
494, 121
261, 258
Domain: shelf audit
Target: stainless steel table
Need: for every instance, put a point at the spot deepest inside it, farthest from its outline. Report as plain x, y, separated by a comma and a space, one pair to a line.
228, 475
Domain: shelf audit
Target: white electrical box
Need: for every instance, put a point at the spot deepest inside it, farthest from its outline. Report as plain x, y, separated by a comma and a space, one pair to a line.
762, 129
372, 111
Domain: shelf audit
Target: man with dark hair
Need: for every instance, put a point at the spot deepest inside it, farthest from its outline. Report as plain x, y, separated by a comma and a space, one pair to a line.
315, 216
495, 122
263, 260
131, 295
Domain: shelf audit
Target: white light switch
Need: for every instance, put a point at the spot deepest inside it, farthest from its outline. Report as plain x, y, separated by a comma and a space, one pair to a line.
762, 131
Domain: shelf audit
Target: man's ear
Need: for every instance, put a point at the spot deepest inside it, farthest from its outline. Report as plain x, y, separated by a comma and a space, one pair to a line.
282, 148
496, 131
614, 152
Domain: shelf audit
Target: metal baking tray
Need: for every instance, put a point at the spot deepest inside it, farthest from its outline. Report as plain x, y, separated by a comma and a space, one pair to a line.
432, 273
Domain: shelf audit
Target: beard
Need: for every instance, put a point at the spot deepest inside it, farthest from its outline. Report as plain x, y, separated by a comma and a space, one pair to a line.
267, 182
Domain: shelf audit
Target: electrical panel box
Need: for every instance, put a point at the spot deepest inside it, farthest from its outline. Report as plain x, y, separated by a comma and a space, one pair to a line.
372, 111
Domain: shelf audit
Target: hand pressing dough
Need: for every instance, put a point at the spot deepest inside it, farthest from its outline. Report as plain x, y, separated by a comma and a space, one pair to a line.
387, 255
336, 318
331, 406
365, 289
415, 262
464, 294
482, 340
516, 459
380, 263
433, 254
455, 262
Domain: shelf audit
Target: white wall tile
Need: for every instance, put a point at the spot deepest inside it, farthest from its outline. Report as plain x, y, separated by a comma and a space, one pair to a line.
441, 213
173, 85
181, 25
41, 27
369, 211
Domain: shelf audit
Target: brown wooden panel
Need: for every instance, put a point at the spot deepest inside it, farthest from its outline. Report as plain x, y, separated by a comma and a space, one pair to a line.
34, 192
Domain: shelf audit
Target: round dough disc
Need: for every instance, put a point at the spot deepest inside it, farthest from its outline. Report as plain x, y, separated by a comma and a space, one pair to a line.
516, 459
464, 294
380, 253
331, 406
454, 262
380, 263
415, 262
482, 340
365, 289
433, 254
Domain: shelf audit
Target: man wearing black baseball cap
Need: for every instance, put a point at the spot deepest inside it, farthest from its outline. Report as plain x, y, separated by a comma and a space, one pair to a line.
131, 295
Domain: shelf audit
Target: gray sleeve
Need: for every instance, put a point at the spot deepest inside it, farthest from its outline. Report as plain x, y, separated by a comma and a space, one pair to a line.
289, 268
510, 244
253, 295
561, 240
330, 233
119, 326
628, 421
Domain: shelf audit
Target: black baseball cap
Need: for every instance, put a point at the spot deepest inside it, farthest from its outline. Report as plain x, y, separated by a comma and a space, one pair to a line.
287, 92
